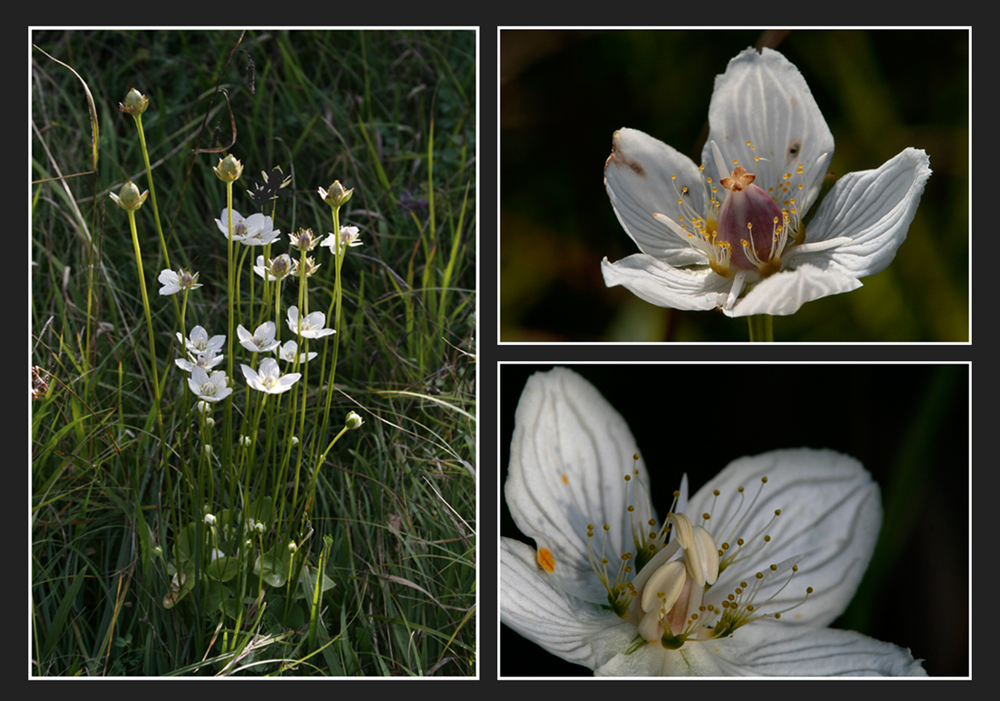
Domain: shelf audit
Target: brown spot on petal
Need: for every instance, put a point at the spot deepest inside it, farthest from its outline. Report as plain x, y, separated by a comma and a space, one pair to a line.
619, 159
794, 148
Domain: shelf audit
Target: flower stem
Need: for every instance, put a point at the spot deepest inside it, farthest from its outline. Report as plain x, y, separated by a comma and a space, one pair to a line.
226, 448
761, 328
149, 321
152, 190
335, 306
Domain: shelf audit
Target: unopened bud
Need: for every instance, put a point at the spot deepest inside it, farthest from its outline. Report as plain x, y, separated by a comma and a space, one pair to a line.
336, 196
135, 103
354, 420
129, 198
229, 169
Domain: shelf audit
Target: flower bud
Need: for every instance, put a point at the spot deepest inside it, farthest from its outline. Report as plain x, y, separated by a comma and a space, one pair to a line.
281, 266
129, 198
209, 519
135, 103
229, 169
354, 420
336, 196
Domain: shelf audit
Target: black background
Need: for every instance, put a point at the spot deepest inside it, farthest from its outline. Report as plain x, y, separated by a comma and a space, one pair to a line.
907, 423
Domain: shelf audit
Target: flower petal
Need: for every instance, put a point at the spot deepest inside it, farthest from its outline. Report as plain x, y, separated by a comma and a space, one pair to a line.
785, 292
637, 178
763, 98
830, 516
569, 456
772, 649
666, 286
577, 631
874, 208
250, 374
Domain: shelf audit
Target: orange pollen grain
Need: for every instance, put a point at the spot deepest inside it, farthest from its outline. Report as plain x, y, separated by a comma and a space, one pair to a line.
545, 560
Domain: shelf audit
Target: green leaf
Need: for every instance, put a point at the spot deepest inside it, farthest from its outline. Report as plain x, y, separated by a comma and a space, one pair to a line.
59, 620
223, 568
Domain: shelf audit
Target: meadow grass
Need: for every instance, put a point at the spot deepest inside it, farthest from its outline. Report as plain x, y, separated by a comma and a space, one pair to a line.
162, 544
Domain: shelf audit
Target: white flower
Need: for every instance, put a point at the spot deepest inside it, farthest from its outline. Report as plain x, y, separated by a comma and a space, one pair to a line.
255, 230
199, 342
262, 340
288, 350
209, 388
348, 238
354, 420
764, 163
175, 282
269, 378
309, 326
742, 579
207, 360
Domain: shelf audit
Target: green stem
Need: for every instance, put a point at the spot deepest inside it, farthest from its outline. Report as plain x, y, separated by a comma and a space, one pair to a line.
319, 464
303, 347
761, 328
152, 190
149, 321
337, 300
226, 447
156, 215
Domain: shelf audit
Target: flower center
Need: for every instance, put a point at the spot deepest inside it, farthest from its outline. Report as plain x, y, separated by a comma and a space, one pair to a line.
750, 227
751, 223
672, 597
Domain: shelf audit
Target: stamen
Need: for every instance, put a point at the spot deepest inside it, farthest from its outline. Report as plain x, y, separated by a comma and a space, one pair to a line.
620, 590
667, 590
